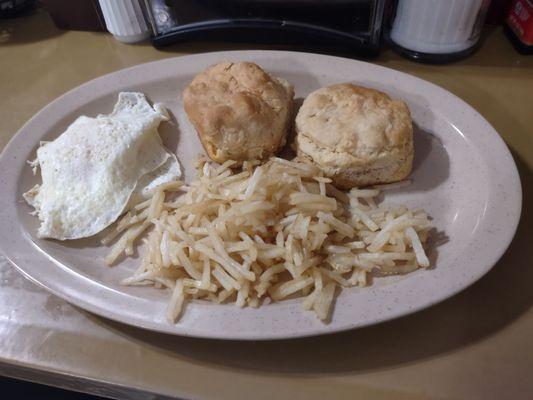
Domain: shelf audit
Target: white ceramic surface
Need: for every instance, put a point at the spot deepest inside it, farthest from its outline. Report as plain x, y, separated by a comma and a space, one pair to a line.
442, 26
125, 20
464, 176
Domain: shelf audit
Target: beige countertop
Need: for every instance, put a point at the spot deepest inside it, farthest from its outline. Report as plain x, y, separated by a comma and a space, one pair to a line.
476, 345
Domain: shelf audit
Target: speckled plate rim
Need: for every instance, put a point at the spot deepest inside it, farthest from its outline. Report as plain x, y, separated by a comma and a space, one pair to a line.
493, 233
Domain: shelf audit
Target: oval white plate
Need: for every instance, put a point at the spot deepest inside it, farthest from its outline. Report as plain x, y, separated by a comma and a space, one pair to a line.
464, 176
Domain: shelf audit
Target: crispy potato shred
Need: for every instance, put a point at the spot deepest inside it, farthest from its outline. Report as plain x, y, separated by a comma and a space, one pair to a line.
272, 231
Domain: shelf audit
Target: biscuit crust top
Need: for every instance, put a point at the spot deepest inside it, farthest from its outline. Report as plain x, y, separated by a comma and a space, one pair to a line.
346, 125
239, 111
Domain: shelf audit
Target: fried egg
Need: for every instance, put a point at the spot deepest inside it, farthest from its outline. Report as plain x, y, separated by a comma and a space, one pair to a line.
99, 167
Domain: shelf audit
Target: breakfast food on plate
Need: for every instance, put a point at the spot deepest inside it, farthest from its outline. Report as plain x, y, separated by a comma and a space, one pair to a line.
251, 227
355, 135
99, 167
268, 231
239, 111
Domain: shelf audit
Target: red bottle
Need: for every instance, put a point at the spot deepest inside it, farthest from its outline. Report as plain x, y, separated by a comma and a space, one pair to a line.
519, 25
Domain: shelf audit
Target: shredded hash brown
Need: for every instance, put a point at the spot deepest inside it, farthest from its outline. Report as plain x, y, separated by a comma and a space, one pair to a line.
268, 231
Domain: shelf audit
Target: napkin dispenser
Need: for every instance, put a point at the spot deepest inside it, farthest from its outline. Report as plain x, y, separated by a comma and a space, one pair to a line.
347, 25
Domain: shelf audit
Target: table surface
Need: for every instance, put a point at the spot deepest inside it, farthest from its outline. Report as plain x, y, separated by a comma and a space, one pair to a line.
476, 345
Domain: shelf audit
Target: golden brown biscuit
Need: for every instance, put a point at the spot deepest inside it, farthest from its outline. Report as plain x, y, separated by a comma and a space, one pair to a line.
357, 136
239, 111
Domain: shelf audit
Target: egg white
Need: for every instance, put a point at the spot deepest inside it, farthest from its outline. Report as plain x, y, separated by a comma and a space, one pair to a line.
90, 172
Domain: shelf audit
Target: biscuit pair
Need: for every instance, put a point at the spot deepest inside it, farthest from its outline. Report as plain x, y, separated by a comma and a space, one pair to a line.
355, 135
